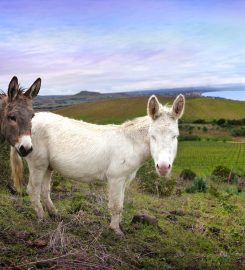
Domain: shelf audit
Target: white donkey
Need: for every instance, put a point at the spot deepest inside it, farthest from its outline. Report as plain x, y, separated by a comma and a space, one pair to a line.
84, 152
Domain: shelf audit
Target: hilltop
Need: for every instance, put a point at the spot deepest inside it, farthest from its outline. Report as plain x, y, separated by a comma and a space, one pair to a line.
58, 101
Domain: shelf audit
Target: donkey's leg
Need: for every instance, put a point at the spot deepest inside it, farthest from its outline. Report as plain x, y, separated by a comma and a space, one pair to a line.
116, 199
45, 194
34, 190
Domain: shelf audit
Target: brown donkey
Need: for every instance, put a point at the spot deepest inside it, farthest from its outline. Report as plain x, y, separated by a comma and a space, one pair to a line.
16, 113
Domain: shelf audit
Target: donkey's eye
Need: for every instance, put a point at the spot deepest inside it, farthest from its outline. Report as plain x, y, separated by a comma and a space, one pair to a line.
174, 137
12, 118
32, 115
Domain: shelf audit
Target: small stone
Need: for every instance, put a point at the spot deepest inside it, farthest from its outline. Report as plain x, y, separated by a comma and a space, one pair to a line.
145, 219
39, 243
177, 212
214, 230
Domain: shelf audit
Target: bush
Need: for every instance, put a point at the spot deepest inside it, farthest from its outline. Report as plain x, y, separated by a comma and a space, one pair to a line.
221, 122
223, 174
150, 182
199, 185
187, 174
189, 138
236, 122
199, 121
238, 132
205, 129
233, 190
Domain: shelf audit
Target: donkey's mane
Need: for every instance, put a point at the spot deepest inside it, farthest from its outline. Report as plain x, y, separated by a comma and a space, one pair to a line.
21, 90
134, 122
136, 128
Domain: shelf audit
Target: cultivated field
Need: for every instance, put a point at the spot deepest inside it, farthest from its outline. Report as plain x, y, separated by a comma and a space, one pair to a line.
203, 156
202, 230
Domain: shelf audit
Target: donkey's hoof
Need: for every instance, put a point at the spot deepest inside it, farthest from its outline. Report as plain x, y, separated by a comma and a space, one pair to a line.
56, 216
118, 232
40, 220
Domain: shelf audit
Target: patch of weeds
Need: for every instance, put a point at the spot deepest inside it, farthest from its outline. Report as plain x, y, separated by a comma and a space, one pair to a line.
233, 190
228, 207
60, 183
199, 185
223, 199
77, 203
150, 182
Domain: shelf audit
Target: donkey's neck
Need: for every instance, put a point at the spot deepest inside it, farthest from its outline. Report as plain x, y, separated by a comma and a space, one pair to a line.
138, 131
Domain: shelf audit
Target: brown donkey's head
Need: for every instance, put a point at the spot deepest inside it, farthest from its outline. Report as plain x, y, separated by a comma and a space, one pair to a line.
16, 113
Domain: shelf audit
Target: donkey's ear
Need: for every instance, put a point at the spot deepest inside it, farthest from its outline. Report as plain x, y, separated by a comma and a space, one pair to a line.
34, 89
13, 89
178, 106
153, 107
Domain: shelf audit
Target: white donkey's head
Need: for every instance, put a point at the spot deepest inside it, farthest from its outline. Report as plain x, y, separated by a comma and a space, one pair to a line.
164, 132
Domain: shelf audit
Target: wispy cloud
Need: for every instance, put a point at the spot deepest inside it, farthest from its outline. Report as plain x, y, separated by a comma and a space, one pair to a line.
121, 45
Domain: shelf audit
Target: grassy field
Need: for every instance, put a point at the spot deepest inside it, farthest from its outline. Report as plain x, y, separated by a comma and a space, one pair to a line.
119, 110
193, 231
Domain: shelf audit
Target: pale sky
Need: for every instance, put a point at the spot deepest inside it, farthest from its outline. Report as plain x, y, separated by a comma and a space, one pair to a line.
114, 46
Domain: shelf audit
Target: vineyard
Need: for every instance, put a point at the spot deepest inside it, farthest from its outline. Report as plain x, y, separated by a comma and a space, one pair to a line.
203, 156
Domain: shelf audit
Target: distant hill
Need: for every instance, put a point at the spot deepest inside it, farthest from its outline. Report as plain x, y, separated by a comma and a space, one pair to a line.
55, 102
88, 94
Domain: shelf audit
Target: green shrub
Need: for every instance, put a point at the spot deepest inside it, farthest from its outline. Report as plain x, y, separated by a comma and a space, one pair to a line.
189, 138
187, 174
223, 174
236, 122
199, 121
233, 190
199, 185
238, 132
221, 122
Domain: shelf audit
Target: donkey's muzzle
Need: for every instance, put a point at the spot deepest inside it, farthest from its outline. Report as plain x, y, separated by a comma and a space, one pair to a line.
23, 152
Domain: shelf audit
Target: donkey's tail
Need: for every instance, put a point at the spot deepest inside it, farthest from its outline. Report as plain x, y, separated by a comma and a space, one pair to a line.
16, 168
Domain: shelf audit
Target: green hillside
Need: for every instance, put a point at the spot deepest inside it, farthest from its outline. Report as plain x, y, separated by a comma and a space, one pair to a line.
121, 109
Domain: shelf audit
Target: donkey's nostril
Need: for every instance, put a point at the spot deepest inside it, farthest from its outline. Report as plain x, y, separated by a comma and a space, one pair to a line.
23, 152
169, 166
157, 166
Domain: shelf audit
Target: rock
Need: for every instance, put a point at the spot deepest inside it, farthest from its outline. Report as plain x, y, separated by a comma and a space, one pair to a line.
214, 230
177, 212
145, 219
45, 265
39, 243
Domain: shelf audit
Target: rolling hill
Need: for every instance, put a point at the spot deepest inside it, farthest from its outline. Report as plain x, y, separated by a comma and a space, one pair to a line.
121, 109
